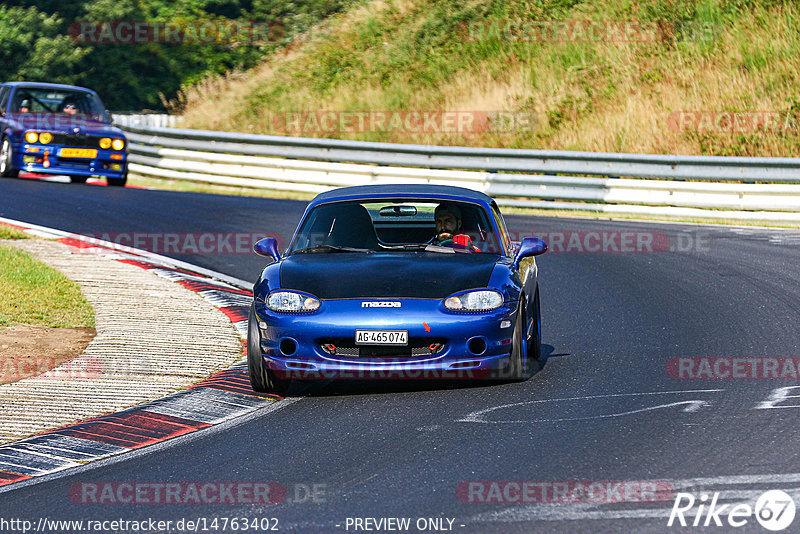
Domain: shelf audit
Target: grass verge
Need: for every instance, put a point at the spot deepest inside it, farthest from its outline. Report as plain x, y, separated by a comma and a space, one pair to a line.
35, 294
9, 232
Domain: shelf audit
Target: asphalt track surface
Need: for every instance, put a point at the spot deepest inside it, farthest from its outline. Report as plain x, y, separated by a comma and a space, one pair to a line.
604, 406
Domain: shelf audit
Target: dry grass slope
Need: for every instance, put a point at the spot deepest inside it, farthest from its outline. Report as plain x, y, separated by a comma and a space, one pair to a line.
584, 94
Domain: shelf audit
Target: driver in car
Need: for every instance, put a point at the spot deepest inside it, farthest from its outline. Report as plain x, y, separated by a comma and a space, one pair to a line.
448, 222
68, 106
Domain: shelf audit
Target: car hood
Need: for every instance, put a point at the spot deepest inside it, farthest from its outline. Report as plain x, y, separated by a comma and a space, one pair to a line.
395, 275
63, 124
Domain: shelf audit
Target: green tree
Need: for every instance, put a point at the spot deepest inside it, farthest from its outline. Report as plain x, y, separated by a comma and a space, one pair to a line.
32, 46
36, 46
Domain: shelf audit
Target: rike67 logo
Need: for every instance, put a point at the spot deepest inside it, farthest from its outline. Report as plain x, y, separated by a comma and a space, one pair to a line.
774, 510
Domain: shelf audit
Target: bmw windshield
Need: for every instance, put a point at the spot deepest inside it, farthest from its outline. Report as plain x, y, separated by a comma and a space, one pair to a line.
58, 101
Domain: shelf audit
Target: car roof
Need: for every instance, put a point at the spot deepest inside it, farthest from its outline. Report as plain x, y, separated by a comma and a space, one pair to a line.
43, 85
417, 191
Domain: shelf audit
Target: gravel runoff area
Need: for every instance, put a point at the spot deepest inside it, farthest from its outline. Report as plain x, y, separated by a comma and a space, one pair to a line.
154, 337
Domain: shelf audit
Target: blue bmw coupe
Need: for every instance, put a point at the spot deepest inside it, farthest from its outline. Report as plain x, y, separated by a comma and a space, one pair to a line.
396, 281
59, 129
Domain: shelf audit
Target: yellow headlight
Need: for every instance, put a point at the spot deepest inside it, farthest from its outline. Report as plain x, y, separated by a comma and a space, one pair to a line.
105, 143
117, 144
45, 137
31, 137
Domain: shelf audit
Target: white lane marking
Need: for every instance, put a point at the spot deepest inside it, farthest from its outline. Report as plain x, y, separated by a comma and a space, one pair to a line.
776, 396
736, 479
480, 415
692, 406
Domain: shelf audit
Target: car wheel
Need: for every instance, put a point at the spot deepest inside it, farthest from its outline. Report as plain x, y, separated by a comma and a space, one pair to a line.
7, 159
518, 367
535, 341
261, 378
78, 179
118, 182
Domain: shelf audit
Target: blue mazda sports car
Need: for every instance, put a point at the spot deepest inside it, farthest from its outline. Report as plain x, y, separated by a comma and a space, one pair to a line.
396, 281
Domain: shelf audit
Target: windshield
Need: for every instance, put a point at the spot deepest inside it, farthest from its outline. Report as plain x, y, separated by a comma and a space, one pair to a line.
66, 102
397, 225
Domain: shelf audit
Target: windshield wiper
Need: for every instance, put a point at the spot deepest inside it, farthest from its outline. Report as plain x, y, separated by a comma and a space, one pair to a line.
408, 246
331, 248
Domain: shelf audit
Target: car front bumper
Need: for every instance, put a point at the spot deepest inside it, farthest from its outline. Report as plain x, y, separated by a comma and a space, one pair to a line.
467, 345
31, 158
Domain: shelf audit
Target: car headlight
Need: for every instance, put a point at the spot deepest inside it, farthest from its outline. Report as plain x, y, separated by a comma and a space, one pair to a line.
105, 143
117, 144
474, 301
31, 137
45, 137
292, 302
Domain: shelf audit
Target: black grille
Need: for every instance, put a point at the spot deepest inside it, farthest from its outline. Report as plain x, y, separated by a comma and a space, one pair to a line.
76, 140
417, 347
73, 164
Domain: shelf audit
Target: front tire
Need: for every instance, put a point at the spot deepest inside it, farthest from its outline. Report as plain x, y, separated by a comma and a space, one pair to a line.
118, 182
262, 379
535, 342
7, 169
519, 367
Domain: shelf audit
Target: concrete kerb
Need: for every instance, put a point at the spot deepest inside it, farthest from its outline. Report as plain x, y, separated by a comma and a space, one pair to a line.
137, 398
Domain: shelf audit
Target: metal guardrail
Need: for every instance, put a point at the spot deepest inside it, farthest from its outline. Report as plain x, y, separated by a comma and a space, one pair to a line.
719, 187
146, 120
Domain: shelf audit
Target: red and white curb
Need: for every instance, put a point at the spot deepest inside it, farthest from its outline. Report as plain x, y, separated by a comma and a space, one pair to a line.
221, 397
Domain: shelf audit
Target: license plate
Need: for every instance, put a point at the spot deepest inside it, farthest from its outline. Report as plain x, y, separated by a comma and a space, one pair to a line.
381, 337
78, 153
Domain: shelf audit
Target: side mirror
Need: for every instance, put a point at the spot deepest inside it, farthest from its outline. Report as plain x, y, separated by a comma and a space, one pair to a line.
530, 246
267, 247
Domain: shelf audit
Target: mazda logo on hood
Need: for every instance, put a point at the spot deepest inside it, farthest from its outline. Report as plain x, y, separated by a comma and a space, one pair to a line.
380, 304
